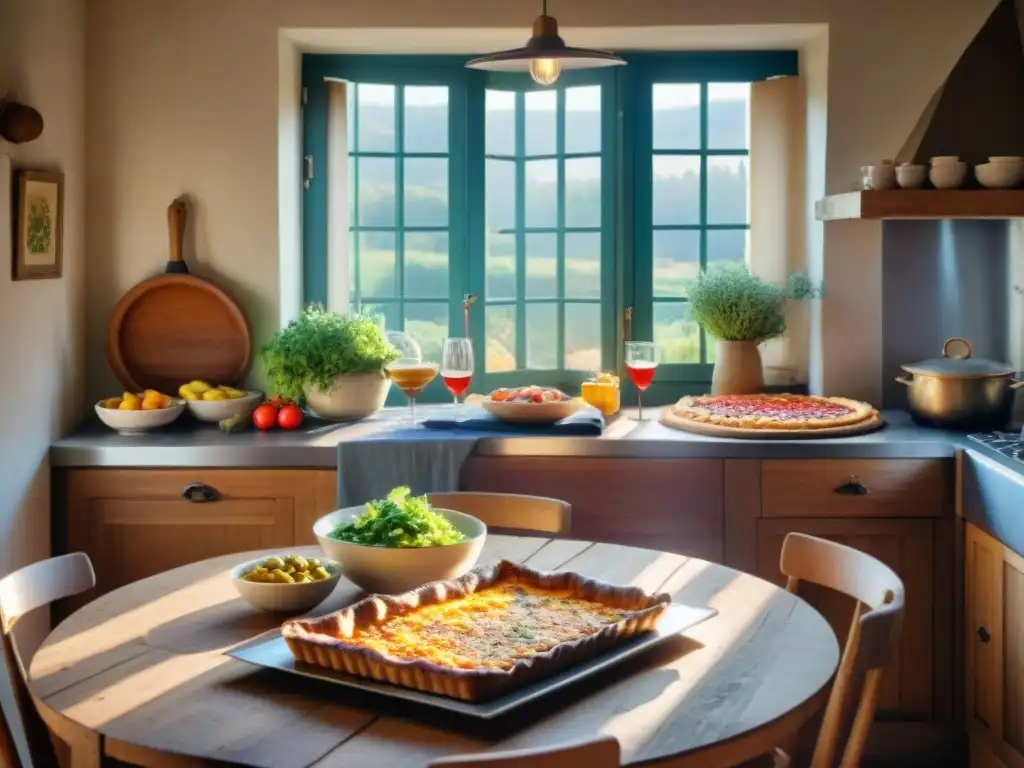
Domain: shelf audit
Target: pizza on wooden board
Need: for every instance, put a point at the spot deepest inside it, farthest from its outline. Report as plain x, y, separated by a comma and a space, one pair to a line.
796, 412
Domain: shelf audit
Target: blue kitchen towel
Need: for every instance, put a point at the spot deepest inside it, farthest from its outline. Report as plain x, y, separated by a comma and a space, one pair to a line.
586, 421
426, 462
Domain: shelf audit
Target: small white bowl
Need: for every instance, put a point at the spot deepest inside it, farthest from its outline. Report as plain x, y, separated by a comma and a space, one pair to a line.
137, 422
285, 598
948, 175
391, 570
910, 176
1006, 159
945, 160
999, 175
218, 410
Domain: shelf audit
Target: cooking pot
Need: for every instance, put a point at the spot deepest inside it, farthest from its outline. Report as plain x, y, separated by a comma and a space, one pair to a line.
957, 391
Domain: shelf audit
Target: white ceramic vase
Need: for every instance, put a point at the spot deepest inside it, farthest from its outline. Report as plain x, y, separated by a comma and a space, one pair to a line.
738, 369
352, 396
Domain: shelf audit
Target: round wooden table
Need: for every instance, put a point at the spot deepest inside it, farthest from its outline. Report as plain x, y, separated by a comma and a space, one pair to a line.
141, 675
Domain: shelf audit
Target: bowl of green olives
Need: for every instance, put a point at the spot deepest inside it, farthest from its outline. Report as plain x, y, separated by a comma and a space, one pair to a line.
286, 583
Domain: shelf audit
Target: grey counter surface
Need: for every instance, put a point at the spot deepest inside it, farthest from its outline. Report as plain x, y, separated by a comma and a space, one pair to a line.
187, 444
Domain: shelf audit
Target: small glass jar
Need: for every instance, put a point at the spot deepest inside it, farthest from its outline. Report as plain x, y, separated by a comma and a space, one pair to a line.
602, 391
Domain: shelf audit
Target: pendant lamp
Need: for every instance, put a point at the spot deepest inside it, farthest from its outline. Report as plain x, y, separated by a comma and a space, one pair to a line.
545, 54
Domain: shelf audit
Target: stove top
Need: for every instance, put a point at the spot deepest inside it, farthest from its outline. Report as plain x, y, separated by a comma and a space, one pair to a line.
1009, 444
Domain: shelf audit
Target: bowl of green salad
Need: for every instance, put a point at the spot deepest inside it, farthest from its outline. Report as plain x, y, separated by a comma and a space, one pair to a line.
396, 544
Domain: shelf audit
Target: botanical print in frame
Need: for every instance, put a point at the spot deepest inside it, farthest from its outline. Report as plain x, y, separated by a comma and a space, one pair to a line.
39, 225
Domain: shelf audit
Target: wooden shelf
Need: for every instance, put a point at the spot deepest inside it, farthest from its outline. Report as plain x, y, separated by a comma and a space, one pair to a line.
923, 204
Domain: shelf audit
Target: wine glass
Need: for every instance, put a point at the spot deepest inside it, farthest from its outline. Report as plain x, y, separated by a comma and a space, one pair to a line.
641, 359
409, 372
457, 365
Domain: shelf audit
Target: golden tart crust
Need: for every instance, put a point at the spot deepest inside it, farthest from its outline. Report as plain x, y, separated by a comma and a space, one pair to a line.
796, 412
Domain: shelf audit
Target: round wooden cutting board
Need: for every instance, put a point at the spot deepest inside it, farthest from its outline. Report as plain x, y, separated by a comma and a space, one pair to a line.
669, 419
174, 328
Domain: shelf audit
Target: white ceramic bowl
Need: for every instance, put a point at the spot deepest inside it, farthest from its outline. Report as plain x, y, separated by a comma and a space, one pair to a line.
390, 570
948, 175
285, 598
999, 175
218, 410
136, 422
531, 413
945, 159
1006, 159
910, 176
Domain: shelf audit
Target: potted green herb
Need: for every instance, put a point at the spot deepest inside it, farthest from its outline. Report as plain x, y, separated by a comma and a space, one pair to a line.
336, 362
740, 310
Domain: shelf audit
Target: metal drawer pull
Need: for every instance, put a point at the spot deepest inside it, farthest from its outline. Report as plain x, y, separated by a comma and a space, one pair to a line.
199, 493
984, 635
852, 487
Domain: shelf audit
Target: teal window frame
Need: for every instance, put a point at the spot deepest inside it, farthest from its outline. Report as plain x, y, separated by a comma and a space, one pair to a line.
626, 193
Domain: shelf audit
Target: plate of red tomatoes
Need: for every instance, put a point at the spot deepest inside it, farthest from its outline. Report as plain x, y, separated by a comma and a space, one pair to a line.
530, 405
277, 413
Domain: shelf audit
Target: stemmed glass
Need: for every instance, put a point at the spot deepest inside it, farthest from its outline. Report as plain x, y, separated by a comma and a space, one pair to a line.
409, 372
457, 365
642, 358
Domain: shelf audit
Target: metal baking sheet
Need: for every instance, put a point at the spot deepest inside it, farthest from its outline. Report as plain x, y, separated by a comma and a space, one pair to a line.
274, 654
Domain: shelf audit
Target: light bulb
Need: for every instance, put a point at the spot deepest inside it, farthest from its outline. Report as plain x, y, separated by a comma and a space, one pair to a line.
545, 71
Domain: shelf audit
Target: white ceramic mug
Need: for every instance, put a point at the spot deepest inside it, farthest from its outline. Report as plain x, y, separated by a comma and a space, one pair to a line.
878, 176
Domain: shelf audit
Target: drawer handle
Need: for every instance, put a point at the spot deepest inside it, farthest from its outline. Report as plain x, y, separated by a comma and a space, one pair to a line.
199, 493
852, 487
984, 635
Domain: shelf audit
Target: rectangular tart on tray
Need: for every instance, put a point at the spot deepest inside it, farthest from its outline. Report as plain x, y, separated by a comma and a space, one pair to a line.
480, 636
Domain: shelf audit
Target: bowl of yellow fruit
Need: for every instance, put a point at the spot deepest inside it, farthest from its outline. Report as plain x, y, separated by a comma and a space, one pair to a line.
216, 403
135, 412
286, 583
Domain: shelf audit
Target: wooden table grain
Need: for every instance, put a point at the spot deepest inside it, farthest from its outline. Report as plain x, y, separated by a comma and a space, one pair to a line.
145, 668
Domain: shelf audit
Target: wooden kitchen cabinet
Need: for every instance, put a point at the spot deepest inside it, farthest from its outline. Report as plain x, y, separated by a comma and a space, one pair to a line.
993, 651
135, 523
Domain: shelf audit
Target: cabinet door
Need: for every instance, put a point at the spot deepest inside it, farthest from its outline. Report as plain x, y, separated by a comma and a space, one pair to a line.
1013, 658
906, 546
983, 641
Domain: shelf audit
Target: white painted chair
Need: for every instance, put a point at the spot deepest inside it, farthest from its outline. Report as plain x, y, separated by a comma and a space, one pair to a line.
602, 752
509, 511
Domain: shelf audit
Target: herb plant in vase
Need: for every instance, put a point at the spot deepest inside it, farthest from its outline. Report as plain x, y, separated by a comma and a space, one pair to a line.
740, 311
336, 362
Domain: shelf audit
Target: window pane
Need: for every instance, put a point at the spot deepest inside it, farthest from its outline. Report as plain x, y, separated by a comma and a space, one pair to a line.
500, 129
501, 266
426, 119
541, 266
387, 315
676, 256
541, 193
540, 122
501, 194
426, 264
583, 337
676, 194
500, 332
376, 118
728, 245
376, 192
727, 190
426, 192
541, 337
377, 264
582, 265
728, 115
583, 192
427, 323
676, 333
583, 119
676, 116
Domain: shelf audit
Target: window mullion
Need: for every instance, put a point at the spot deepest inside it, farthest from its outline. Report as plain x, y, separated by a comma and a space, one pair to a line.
702, 337
400, 202
354, 204
520, 139
560, 228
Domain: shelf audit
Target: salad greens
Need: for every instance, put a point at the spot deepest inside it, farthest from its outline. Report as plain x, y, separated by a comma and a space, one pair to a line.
400, 520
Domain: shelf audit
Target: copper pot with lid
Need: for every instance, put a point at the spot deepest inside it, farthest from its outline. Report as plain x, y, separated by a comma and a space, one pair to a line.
957, 391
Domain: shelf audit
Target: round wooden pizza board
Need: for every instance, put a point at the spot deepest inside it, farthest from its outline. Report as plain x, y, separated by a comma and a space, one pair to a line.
670, 419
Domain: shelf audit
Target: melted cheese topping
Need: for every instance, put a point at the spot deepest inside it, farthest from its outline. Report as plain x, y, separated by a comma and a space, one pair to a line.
767, 407
490, 629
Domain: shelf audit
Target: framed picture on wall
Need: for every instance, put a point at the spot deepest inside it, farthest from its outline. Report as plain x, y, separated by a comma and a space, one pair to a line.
38, 225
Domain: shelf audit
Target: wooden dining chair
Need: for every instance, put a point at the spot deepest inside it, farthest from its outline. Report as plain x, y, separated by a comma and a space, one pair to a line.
870, 645
509, 511
602, 752
21, 592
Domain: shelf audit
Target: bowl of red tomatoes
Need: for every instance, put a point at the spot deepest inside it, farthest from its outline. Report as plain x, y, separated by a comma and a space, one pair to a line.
277, 413
530, 405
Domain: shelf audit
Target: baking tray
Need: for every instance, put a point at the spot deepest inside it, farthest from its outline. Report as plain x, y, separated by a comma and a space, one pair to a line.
274, 654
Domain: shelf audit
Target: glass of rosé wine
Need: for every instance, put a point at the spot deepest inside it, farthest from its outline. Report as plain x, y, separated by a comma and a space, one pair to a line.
457, 365
641, 360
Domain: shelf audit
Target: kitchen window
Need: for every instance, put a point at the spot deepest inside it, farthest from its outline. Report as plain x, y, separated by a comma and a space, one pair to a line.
558, 207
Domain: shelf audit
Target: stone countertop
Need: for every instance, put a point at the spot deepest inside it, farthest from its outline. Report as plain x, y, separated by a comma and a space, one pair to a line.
190, 444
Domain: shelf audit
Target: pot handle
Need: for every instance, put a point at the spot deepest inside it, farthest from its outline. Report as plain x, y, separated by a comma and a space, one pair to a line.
964, 344
904, 380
